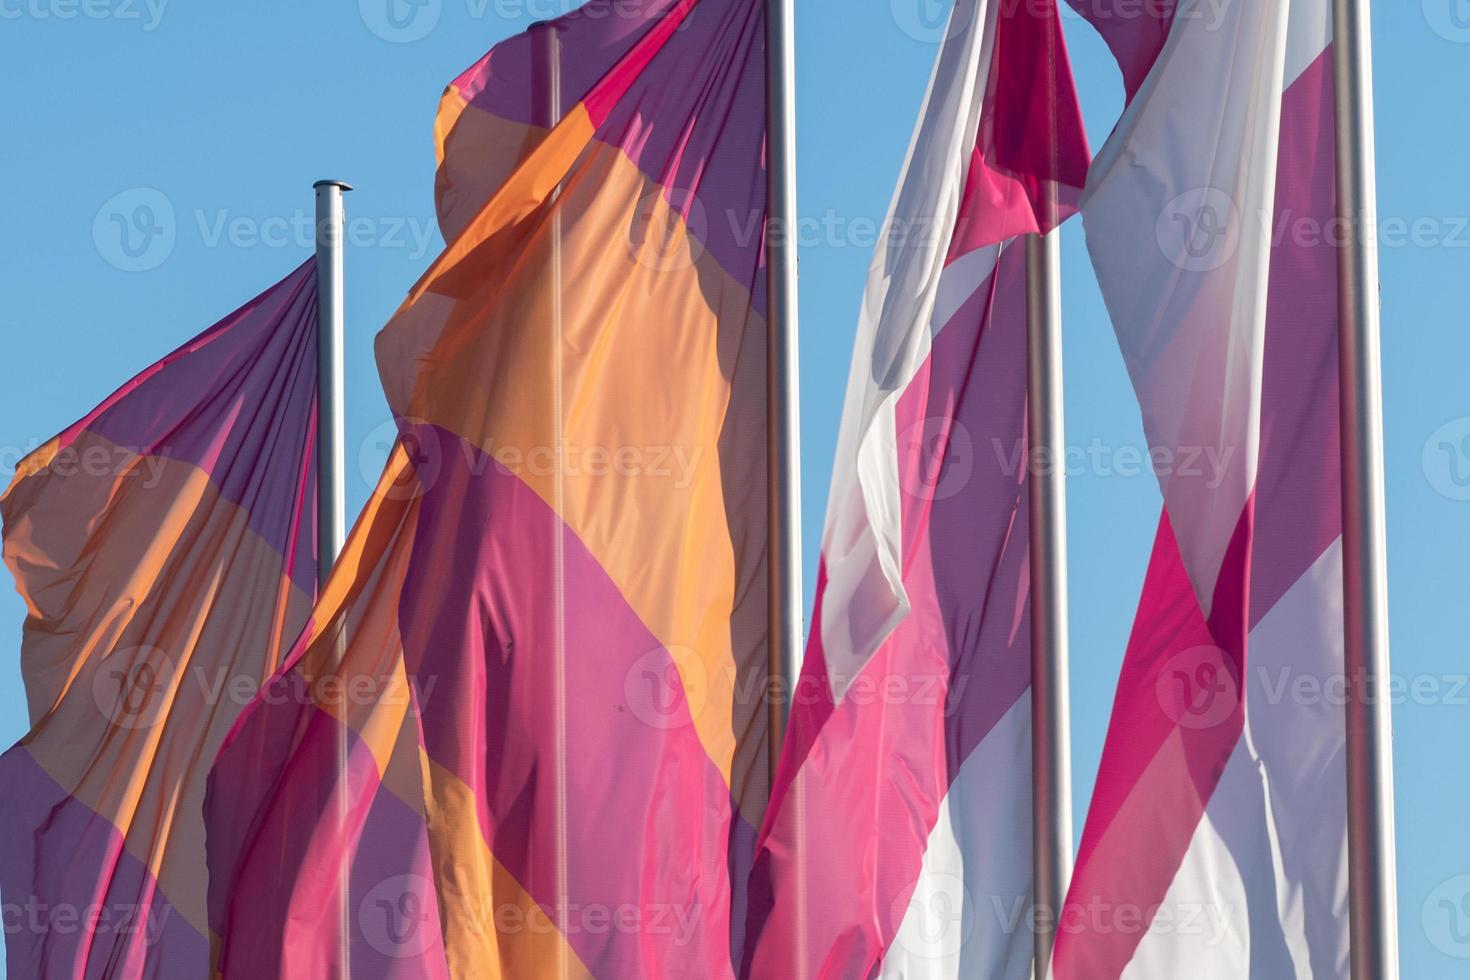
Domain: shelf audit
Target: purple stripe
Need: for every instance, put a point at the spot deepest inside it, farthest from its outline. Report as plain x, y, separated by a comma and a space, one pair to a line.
961, 425
61, 862
649, 815
693, 120
1135, 32
1298, 504
979, 535
238, 402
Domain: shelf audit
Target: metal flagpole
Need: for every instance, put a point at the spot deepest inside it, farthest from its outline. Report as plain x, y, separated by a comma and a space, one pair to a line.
331, 478
547, 55
1051, 761
783, 456
783, 418
1051, 752
1371, 862
331, 527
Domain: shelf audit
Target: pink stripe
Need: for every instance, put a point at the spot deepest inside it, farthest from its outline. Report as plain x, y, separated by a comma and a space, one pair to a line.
477, 618
1031, 147
277, 842
1176, 719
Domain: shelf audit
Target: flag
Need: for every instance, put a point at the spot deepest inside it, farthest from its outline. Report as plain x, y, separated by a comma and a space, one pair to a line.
1216, 842
532, 738
902, 808
163, 547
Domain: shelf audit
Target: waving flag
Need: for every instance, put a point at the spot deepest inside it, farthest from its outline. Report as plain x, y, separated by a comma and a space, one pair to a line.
530, 741
1216, 841
902, 808
163, 546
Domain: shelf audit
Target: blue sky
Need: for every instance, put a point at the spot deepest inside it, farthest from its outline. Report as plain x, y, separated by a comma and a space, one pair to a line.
218, 117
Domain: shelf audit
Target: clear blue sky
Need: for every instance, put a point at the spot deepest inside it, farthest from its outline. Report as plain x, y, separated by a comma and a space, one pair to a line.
220, 116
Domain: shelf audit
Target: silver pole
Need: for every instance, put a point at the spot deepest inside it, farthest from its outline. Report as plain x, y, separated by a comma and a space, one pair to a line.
1371, 860
1051, 759
548, 78
1051, 747
331, 471
783, 424
783, 457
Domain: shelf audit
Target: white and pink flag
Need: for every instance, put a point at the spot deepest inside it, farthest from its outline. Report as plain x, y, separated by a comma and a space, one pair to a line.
1216, 842
897, 841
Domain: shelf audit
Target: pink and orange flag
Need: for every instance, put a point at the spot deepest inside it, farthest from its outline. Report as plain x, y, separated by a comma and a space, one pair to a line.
163, 547
524, 733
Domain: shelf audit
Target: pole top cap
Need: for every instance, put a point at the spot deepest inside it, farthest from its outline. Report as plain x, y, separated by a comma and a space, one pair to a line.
333, 183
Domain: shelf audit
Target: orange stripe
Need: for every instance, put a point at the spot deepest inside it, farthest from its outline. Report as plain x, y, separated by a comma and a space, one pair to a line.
493, 928
651, 329
161, 621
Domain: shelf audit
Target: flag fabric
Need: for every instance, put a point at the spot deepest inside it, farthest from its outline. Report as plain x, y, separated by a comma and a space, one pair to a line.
532, 739
163, 547
897, 842
1216, 842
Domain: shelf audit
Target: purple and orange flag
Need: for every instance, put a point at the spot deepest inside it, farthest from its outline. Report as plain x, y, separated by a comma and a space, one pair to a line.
524, 733
163, 547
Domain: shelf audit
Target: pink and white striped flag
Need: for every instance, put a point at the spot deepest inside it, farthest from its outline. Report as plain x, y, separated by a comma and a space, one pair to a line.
895, 842
1215, 846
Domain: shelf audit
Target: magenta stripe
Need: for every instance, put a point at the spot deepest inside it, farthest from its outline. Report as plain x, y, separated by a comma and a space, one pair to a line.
275, 847
477, 620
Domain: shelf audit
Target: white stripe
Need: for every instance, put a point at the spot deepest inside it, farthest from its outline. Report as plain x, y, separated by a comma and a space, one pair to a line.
970, 914
1307, 36
865, 597
1177, 212
1263, 886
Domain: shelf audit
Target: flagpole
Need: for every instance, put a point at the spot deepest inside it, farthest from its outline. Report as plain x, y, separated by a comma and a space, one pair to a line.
546, 57
331, 470
1051, 736
783, 458
331, 525
783, 419
1371, 859
1051, 787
